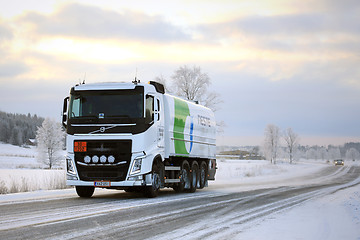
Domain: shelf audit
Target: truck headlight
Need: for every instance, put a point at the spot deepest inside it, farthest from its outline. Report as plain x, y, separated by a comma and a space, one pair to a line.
70, 166
136, 166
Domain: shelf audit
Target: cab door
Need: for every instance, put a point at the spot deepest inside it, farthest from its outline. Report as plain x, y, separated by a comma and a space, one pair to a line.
154, 117
159, 117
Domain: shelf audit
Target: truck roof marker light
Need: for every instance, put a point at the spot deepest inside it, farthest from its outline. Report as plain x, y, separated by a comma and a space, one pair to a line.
80, 146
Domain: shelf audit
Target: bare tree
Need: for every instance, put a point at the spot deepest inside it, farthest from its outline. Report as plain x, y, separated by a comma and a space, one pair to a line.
352, 154
50, 139
271, 143
192, 84
292, 141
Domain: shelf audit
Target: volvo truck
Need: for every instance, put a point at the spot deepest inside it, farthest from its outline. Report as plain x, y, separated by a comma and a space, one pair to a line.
135, 137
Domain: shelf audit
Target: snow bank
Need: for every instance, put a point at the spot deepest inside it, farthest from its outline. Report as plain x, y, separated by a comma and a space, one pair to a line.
24, 180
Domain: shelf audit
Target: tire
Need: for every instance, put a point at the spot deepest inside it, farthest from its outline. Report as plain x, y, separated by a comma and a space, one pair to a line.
194, 176
153, 190
202, 174
130, 190
85, 191
179, 187
185, 178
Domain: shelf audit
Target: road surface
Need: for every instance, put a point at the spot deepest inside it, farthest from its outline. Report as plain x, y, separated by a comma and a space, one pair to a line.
216, 212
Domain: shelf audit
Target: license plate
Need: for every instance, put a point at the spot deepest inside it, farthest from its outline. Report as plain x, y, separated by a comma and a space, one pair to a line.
102, 184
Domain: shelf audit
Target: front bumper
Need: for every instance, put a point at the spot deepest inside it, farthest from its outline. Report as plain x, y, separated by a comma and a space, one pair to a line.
137, 181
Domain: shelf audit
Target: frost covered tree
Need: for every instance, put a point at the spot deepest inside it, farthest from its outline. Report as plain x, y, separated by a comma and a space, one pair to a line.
272, 142
50, 139
352, 154
192, 84
311, 154
291, 141
334, 153
323, 154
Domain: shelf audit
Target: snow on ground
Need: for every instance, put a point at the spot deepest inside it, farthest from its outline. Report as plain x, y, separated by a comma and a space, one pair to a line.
250, 174
24, 180
332, 217
21, 172
335, 216
17, 157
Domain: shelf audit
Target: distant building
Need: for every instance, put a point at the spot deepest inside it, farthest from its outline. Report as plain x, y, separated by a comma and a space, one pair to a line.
31, 142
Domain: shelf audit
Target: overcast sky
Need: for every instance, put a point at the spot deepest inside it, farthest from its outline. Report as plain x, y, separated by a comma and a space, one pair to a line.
289, 63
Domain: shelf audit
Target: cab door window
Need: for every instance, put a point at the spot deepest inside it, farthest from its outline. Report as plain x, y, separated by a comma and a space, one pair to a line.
149, 110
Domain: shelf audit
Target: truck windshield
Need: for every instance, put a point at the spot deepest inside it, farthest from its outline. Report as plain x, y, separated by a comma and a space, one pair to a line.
106, 104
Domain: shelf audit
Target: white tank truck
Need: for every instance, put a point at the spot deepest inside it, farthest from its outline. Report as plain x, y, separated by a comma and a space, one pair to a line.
134, 137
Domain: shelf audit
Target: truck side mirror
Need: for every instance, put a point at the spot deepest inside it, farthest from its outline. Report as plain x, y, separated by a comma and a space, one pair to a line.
64, 113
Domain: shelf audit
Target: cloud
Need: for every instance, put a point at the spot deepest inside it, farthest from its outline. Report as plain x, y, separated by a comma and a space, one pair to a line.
12, 69
9, 67
83, 21
298, 24
5, 32
329, 25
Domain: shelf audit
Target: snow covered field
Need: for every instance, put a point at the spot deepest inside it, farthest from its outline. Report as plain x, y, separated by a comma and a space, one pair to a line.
335, 216
21, 172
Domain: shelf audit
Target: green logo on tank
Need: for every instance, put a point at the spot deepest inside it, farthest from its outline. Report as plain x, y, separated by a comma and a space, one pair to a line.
181, 113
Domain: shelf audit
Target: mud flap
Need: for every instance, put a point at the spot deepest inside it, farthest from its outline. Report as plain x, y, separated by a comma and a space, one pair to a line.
212, 169
148, 179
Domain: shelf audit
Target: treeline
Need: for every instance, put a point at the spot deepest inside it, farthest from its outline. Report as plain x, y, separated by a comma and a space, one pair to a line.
331, 151
17, 129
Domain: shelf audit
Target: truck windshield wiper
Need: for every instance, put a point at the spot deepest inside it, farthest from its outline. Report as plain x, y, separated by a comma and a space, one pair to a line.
87, 117
118, 116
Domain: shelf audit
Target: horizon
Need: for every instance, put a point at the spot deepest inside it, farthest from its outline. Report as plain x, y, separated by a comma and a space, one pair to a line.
244, 141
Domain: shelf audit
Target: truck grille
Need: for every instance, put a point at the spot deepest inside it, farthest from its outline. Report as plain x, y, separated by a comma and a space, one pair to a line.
104, 160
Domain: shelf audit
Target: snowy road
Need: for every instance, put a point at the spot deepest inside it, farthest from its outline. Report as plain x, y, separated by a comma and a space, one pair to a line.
221, 211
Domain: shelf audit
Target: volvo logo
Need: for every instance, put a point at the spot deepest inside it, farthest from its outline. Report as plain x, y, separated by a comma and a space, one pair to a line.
109, 126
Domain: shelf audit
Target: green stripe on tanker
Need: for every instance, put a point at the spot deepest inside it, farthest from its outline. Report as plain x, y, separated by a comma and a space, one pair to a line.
181, 113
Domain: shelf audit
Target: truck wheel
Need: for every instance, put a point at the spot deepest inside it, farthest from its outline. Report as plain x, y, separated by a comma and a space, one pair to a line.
185, 178
153, 190
85, 191
202, 175
194, 176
